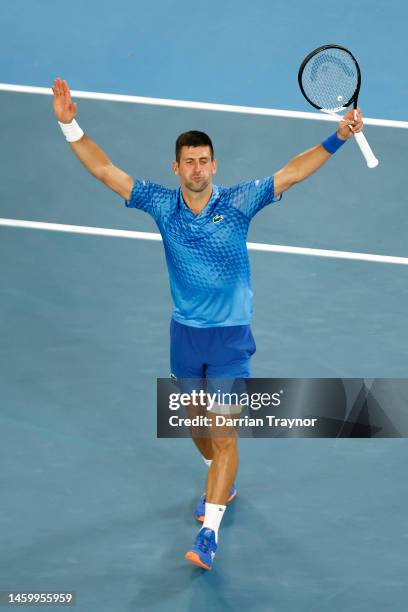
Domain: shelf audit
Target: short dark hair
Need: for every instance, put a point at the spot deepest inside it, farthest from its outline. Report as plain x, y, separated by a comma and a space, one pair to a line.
193, 139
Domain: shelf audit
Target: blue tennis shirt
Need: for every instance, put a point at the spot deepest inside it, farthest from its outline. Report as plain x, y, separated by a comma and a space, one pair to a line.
206, 254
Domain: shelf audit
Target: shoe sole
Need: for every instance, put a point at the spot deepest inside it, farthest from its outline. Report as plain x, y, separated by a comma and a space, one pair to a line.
194, 558
229, 500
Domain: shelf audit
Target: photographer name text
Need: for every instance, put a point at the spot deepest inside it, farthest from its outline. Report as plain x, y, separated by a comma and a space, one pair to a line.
223, 421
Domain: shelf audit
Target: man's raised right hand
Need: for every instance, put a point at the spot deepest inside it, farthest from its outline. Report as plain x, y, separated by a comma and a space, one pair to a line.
88, 152
64, 108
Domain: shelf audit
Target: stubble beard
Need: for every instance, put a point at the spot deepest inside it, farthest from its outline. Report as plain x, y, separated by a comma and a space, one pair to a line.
198, 187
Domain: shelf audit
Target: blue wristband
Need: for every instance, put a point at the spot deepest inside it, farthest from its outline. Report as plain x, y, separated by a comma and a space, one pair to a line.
332, 143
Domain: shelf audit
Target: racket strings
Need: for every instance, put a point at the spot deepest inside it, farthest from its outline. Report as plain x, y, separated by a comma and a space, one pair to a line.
330, 79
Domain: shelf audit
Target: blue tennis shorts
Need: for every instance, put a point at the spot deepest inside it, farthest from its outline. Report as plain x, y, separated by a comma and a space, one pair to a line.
210, 352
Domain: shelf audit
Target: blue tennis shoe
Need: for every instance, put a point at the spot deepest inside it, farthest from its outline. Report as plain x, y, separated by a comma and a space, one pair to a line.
199, 510
203, 551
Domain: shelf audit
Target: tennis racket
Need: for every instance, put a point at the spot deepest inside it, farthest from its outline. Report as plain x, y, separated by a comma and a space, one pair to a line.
330, 80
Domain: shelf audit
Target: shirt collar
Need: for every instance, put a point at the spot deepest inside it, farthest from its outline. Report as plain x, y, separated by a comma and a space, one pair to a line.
208, 208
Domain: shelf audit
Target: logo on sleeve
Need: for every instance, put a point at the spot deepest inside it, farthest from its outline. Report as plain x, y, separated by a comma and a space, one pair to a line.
218, 218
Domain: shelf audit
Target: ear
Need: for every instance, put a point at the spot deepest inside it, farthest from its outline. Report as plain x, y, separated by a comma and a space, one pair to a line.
214, 166
175, 168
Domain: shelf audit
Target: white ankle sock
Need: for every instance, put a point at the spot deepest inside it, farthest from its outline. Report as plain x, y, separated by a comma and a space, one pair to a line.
213, 517
207, 462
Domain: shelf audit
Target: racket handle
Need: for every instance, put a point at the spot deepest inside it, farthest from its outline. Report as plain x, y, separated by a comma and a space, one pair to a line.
366, 150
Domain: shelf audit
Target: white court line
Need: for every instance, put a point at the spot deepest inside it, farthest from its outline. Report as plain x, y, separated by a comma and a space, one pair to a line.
228, 108
253, 246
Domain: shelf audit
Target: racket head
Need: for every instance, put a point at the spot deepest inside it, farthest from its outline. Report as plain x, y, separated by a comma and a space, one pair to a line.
330, 78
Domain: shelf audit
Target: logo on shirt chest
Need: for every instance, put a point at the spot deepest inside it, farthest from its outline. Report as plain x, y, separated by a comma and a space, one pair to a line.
218, 218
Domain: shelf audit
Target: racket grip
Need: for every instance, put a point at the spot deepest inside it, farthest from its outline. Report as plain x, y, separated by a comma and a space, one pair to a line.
366, 150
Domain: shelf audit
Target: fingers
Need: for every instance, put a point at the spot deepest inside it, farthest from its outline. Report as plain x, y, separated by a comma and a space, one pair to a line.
354, 120
358, 118
357, 127
64, 107
352, 115
66, 92
57, 87
61, 89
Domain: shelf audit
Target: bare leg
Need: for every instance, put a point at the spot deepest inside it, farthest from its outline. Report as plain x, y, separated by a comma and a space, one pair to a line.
200, 437
223, 470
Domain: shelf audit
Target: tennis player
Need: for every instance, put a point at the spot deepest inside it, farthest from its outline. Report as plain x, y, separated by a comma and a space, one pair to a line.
204, 229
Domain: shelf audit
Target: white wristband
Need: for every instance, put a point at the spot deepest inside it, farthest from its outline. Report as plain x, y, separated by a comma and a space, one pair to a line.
71, 131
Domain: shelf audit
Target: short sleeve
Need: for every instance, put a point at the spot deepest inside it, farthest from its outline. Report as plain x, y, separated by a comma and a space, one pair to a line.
251, 196
150, 197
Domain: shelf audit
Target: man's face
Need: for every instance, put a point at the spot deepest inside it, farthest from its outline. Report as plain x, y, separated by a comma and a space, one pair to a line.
195, 168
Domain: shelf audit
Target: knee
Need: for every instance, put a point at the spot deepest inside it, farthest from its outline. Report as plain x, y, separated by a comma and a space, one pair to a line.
227, 444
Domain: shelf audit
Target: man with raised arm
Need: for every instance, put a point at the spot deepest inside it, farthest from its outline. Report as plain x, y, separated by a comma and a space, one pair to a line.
204, 229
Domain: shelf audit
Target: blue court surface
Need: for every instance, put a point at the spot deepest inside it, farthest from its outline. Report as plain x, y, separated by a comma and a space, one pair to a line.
91, 500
